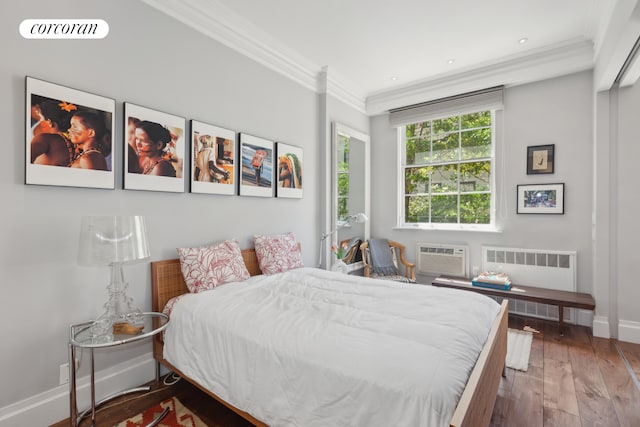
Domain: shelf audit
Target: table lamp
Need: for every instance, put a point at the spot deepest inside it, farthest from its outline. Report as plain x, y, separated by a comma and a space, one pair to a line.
359, 218
112, 241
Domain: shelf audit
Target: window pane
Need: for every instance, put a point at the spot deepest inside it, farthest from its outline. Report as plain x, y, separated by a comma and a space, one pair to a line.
475, 176
445, 125
444, 209
417, 151
447, 170
416, 209
445, 148
343, 208
476, 120
444, 179
343, 184
475, 208
476, 143
418, 130
343, 155
416, 180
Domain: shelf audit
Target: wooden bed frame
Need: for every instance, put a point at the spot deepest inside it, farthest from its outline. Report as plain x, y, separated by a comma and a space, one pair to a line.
478, 398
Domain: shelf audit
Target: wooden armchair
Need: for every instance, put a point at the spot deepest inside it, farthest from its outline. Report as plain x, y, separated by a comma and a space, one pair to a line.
397, 249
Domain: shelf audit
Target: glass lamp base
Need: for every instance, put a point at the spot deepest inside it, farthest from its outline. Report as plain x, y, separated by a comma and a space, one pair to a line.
119, 315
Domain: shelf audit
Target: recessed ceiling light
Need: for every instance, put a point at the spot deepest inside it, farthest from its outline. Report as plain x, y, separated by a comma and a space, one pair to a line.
451, 61
394, 78
523, 40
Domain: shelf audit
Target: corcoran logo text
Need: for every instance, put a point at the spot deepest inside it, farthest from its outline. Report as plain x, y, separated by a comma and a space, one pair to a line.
64, 29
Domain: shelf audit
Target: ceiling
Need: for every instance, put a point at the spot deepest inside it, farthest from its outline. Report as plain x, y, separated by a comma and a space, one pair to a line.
376, 47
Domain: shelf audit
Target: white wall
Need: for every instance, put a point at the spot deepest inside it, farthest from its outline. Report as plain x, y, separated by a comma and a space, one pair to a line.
625, 180
556, 111
151, 60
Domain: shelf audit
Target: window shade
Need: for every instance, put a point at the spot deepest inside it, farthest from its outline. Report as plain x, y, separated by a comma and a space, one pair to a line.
486, 99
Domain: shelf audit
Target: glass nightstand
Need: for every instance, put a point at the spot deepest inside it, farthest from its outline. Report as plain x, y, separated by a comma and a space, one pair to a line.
80, 337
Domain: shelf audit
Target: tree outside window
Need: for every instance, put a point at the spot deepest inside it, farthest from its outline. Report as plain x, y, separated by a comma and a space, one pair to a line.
447, 166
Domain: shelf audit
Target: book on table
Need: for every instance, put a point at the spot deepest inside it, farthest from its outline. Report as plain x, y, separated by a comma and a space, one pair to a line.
502, 286
493, 277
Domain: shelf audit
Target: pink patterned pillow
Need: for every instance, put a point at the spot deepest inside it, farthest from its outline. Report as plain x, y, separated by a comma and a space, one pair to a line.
206, 267
277, 253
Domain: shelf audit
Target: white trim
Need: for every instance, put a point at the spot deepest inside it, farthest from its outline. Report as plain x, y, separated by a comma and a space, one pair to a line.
601, 327
554, 61
220, 23
629, 331
51, 406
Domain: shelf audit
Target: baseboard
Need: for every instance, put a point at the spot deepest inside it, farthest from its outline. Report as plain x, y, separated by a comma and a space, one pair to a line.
601, 327
52, 406
584, 318
629, 331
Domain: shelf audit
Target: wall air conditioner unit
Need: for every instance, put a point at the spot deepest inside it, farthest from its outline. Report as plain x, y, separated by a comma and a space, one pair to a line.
437, 259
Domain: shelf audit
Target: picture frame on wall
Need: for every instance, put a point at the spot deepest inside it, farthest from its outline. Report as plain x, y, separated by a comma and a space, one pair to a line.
256, 167
213, 159
540, 159
154, 150
541, 199
289, 172
69, 136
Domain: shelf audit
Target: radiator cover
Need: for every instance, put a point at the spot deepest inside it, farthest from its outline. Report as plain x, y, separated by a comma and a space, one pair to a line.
538, 268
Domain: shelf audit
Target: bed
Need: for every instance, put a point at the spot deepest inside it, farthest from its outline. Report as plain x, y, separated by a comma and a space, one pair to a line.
473, 408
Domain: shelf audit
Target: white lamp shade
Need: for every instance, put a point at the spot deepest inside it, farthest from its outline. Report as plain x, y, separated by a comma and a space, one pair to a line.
106, 240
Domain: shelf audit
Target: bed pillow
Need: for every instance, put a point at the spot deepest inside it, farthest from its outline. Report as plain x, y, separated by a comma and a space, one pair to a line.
277, 253
206, 267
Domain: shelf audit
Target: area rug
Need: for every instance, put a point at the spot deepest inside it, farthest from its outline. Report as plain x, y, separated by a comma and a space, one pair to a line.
178, 416
518, 349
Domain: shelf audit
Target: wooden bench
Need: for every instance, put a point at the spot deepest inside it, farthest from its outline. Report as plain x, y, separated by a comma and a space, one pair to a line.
555, 297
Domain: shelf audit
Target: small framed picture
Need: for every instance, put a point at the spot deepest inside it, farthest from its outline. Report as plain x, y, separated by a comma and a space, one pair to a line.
154, 150
256, 172
540, 159
213, 159
289, 171
69, 136
541, 199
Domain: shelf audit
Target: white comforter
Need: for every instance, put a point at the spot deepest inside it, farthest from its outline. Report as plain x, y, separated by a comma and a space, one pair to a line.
316, 348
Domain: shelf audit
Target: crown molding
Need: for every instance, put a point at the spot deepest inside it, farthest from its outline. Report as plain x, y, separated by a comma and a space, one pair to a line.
554, 61
218, 22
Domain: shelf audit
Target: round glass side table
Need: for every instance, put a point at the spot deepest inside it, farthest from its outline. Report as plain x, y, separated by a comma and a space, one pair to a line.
80, 336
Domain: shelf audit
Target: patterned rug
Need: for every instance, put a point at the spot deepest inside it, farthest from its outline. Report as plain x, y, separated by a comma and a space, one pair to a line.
518, 349
178, 416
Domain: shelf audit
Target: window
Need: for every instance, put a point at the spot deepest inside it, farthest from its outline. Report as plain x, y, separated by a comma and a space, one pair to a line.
447, 170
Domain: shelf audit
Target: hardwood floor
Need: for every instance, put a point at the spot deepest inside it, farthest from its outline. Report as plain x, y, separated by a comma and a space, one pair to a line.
572, 380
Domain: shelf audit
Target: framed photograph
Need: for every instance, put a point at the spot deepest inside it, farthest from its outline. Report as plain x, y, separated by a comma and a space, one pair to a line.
69, 136
289, 171
540, 159
213, 159
541, 199
154, 150
256, 173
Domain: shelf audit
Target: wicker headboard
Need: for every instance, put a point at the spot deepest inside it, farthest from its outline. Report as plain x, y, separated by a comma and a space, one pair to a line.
167, 280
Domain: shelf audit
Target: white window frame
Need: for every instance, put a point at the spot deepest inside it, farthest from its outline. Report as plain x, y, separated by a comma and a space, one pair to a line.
401, 153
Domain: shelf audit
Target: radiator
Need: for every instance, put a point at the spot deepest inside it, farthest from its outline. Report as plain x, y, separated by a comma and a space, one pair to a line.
435, 259
538, 268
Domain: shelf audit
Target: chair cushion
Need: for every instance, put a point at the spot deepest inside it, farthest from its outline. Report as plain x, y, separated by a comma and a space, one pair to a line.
382, 257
